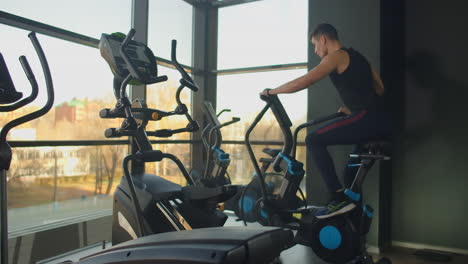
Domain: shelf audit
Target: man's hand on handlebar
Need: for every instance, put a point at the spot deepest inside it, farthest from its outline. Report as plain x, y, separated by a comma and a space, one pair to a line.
266, 92
345, 110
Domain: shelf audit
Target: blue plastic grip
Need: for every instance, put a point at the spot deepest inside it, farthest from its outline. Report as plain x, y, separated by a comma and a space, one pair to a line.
294, 167
352, 195
368, 210
222, 156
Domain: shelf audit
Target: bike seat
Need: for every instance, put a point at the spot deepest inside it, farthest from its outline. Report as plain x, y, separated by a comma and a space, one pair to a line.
381, 146
374, 150
272, 152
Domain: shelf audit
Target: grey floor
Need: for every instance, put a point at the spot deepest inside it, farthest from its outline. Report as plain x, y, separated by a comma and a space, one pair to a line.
295, 255
406, 256
300, 254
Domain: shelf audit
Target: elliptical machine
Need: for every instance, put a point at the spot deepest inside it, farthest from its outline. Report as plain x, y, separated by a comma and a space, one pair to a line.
217, 160
11, 100
140, 194
337, 239
146, 204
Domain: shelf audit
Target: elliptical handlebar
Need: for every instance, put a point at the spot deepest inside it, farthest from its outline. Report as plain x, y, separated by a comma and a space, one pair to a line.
191, 127
123, 52
311, 123
222, 111
207, 140
214, 126
123, 107
49, 85
13, 95
186, 79
5, 150
8, 91
285, 125
218, 127
290, 141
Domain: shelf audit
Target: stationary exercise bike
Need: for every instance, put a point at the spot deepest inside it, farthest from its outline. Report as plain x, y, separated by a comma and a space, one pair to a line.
11, 100
337, 239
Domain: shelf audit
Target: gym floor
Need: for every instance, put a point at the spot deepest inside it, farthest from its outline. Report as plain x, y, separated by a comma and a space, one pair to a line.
409, 256
301, 254
398, 255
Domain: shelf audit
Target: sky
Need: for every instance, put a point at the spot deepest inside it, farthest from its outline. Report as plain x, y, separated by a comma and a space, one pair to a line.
266, 32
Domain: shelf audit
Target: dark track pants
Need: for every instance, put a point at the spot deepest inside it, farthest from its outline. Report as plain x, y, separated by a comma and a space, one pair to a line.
355, 129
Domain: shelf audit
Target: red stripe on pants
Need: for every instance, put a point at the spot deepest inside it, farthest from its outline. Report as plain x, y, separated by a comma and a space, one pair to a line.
344, 122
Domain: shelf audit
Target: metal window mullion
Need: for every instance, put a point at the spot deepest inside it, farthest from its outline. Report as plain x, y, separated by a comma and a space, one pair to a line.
140, 24
277, 67
204, 56
86, 143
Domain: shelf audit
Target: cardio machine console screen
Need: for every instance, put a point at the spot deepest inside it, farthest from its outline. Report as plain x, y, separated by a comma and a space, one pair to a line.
140, 55
8, 94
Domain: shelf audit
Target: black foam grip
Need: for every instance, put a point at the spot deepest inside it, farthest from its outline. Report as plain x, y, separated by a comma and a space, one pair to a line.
152, 156
189, 84
111, 133
162, 133
26, 68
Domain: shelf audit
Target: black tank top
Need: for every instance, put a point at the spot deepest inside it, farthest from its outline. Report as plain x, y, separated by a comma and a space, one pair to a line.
355, 84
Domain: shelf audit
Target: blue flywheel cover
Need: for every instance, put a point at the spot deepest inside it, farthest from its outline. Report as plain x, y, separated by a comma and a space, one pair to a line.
248, 203
330, 237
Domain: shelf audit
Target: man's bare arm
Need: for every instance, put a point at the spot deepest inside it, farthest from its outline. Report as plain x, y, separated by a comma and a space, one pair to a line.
326, 66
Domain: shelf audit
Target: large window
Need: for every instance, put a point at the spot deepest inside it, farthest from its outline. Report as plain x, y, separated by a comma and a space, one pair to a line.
240, 93
82, 85
86, 17
262, 33
50, 184
168, 20
269, 33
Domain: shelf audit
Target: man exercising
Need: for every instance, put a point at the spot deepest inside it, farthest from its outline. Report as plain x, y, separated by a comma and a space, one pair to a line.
359, 87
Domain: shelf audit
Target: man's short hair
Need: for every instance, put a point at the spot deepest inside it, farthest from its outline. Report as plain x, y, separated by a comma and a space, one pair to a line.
324, 29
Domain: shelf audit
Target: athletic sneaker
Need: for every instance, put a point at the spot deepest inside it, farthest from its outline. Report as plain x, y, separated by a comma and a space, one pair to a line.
335, 207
